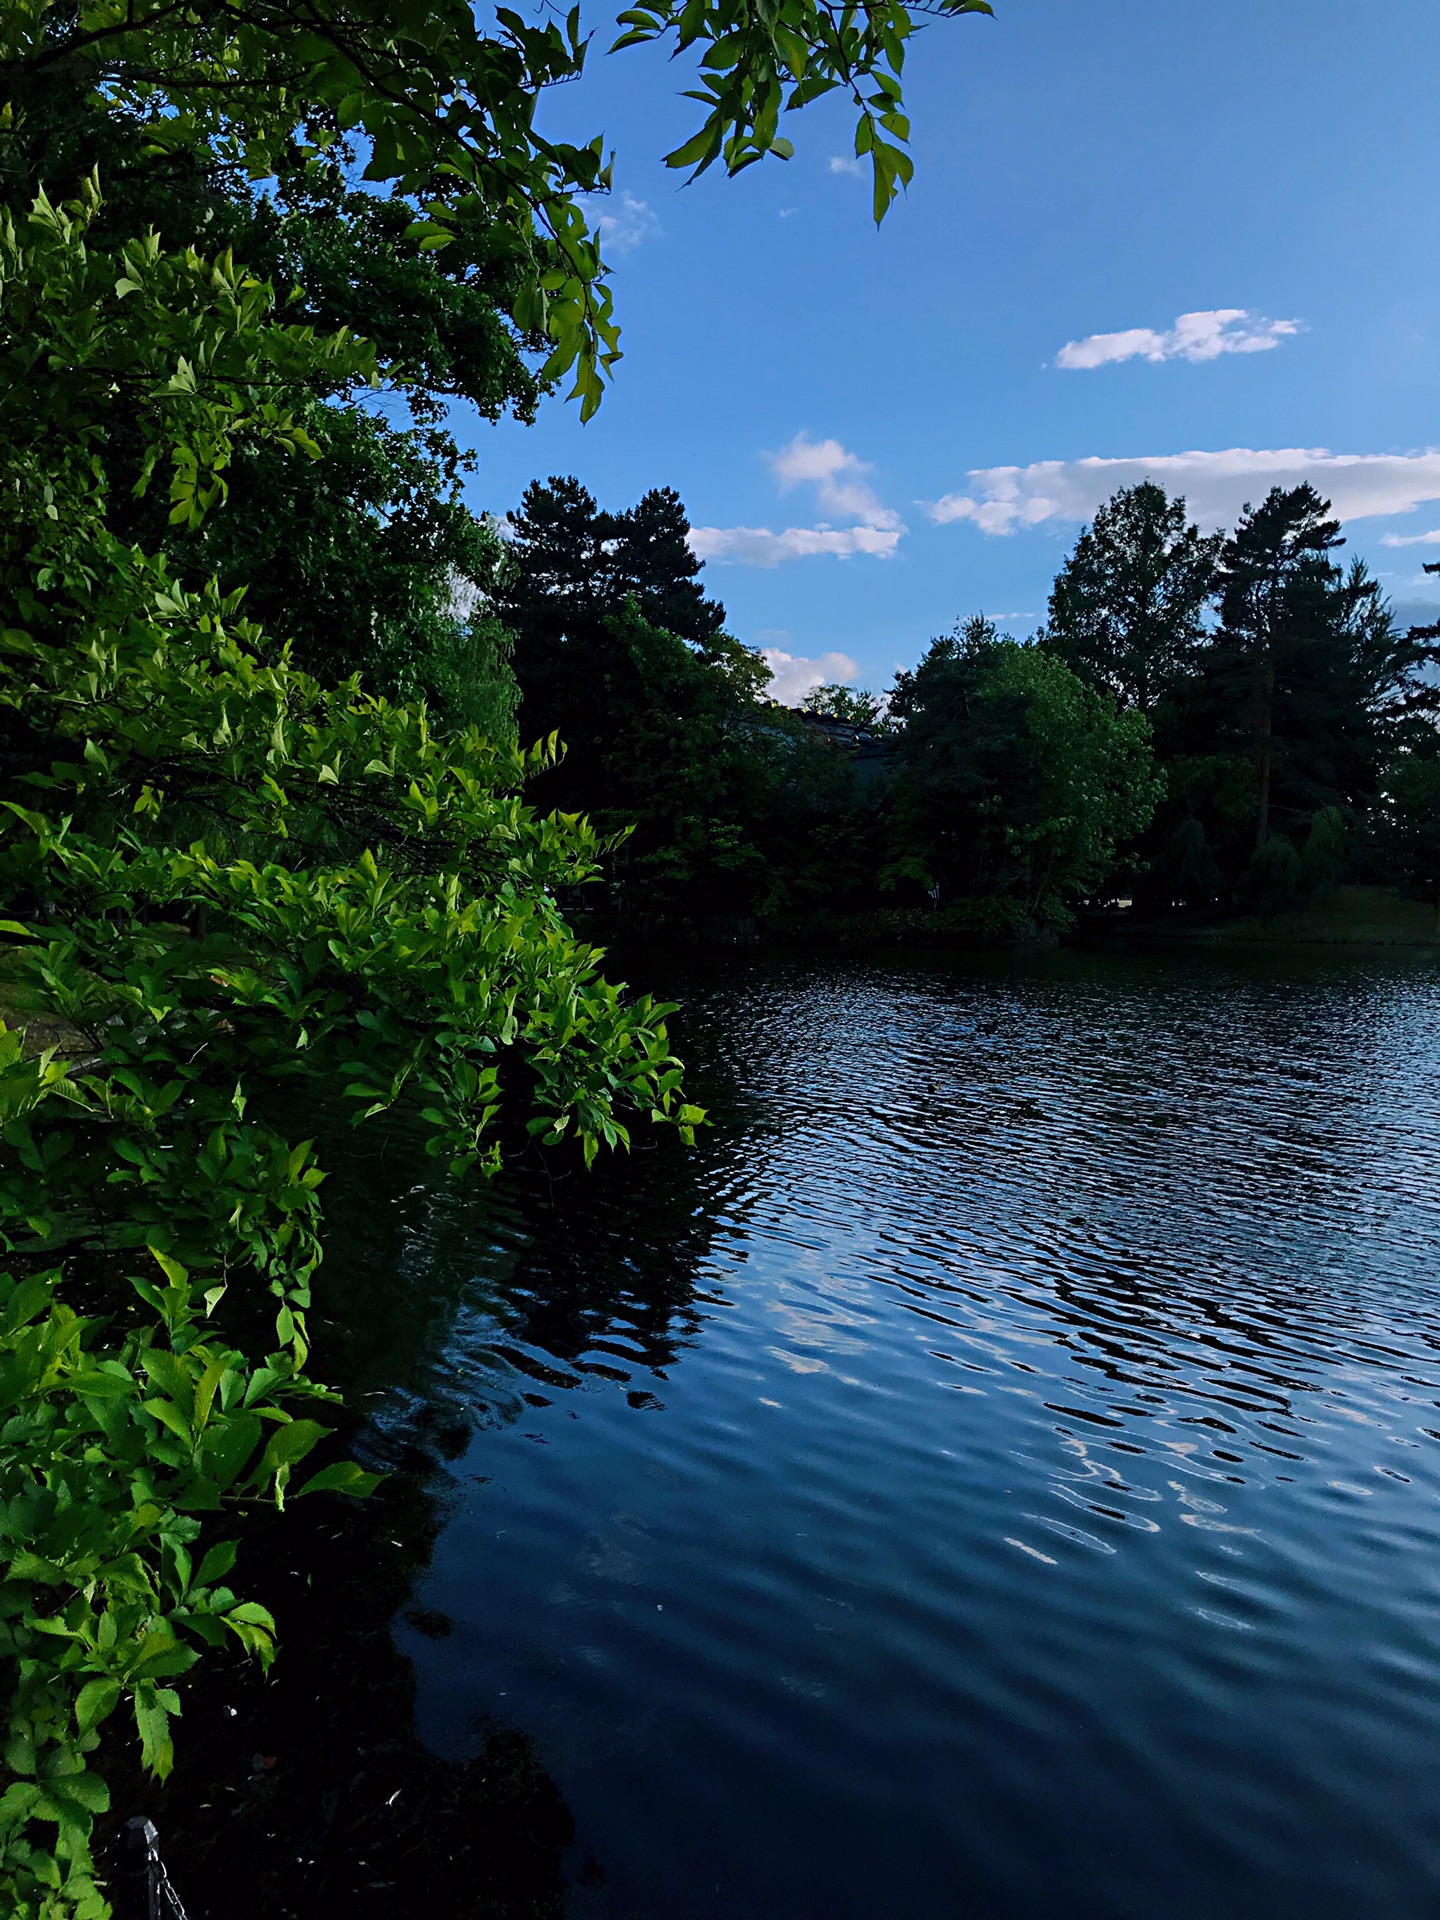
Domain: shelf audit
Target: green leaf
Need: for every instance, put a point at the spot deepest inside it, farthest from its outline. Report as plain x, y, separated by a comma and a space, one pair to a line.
96, 1700
344, 1476
288, 1445
217, 1562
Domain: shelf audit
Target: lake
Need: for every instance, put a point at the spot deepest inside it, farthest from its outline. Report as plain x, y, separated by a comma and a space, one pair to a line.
993, 1475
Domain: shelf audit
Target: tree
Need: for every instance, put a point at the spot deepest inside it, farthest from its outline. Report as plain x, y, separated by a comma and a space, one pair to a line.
1016, 779
405, 601
234, 881
695, 772
1277, 606
573, 572
663, 714
1127, 608
572, 562
1307, 675
1410, 821
441, 115
855, 706
367, 559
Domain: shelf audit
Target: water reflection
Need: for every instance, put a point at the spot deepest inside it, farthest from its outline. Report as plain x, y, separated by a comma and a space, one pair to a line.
994, 1474
310, 1795
441, 1314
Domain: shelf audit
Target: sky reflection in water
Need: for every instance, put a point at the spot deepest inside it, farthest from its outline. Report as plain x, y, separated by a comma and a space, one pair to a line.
994, 1476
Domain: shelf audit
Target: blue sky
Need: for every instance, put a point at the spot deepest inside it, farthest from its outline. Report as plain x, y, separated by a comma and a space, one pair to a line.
835, 405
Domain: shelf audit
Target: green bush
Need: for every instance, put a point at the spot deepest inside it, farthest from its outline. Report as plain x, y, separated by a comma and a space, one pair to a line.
230, 883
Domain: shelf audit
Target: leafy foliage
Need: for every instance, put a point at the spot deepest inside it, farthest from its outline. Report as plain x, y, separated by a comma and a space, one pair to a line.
1411, 821
852, 706
365, 558
758, 64
1017, 781
671, 738
442, 115
239, 882
406, 604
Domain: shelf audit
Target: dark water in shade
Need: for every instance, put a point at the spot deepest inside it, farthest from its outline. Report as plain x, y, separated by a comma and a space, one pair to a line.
996, 1475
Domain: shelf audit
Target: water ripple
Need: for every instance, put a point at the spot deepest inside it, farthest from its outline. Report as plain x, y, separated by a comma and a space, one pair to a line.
996, 1473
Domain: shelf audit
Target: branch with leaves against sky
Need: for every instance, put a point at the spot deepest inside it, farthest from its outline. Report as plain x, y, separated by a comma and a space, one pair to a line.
443, 109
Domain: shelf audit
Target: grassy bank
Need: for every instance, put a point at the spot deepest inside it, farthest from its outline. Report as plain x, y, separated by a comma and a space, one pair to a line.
1349, 916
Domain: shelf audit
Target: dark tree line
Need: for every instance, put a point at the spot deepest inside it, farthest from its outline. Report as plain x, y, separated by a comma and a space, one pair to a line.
726, 801
992, 781
1205, 721
1292, 720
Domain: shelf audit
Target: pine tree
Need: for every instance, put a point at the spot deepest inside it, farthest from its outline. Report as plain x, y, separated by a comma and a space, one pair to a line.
1308, 676
1126, 611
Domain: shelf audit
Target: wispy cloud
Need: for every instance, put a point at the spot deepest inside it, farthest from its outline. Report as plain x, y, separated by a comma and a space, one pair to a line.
759, 547
837, 477
792, 675
840, 164
1194, 336
1411, 539
841, 491
1216, 485
622, 222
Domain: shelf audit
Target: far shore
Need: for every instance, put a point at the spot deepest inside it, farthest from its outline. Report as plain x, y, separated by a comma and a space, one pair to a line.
1349, 917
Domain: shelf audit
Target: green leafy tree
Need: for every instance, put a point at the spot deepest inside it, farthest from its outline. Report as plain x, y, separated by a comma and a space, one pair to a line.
854, 706
1127, 608
441, 115
239, 882
1017, 781
695, 772
367, 557
368, 560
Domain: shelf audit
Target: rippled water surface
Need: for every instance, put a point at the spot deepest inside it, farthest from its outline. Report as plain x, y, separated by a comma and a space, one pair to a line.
995, 1475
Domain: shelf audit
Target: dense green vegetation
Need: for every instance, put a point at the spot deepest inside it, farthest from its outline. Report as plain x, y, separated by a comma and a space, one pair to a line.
234, 879
1204, 723
1291, 720
264, 830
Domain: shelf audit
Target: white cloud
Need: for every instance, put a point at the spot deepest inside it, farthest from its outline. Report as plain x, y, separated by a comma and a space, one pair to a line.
759, 547
622, 222
835, 473
792, 676
840, 490
839, 164
1411, 539
1215, 485
1194, 336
